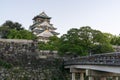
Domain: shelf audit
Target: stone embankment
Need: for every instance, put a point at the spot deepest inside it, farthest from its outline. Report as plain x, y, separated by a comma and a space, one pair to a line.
19, 60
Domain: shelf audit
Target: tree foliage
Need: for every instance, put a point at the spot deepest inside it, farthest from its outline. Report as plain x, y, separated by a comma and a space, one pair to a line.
14, 30
7, 26
22, 34
4, 31
52, 44
13, 25
115, 40
84, 41
81, 41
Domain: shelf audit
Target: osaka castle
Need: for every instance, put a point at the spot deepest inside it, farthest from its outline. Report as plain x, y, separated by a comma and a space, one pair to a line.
42, 27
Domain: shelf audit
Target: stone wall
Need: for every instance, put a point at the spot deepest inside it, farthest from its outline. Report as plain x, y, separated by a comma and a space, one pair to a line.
19, 60
44, 69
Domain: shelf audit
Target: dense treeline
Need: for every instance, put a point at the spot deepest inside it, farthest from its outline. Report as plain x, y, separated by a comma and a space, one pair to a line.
14, 30
85, 41
82, 41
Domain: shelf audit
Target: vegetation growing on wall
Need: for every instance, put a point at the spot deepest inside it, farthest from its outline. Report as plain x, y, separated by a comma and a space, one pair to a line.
5, 64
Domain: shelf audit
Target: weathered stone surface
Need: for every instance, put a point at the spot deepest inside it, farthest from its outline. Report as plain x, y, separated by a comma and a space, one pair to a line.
19, 61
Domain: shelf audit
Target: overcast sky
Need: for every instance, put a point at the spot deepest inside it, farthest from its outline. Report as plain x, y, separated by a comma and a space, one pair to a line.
103, 15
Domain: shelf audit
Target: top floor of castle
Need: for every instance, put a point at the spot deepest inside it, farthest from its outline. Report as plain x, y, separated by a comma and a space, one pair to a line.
41, 18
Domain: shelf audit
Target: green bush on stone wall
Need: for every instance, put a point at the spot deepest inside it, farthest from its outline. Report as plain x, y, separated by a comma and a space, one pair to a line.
5, 64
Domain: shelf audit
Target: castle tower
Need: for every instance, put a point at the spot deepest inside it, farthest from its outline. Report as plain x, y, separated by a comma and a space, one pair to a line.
42, 27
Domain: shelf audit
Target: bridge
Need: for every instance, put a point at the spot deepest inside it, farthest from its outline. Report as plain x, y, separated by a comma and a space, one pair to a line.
95, 67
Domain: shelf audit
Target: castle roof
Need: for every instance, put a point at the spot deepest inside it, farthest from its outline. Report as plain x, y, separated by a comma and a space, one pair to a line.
46, 33
42, 15
38, 31
55, 33
45, 23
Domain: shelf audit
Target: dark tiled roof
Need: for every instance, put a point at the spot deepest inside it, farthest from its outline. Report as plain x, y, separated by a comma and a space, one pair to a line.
42, 15
38, 31
55, 33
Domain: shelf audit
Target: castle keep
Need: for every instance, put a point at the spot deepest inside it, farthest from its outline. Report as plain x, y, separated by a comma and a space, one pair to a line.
42, 27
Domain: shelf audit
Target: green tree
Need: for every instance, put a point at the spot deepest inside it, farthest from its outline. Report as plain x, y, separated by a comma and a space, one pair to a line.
12, 34
13, 25
115, 40
4, 31
14, 30
22, 34
83, 41
52, 44
109, 36
27, 34
70, 43
7, 26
